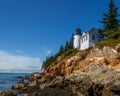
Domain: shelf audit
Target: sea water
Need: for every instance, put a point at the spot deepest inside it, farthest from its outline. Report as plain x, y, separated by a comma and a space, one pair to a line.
9, 79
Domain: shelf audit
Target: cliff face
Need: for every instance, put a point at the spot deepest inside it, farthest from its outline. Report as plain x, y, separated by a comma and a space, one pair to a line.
107, 57
97, 74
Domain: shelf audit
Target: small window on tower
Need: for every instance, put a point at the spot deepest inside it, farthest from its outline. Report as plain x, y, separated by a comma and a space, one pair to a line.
86, 38
93, 37
81, 40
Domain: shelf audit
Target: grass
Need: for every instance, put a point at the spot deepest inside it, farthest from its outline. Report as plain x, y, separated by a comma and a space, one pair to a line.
112, 40
69, 53
109, 42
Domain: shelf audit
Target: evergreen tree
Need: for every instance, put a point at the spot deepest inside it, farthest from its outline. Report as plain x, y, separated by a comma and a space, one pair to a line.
110, 21
61, 49
102, 34
71, 42
66, 46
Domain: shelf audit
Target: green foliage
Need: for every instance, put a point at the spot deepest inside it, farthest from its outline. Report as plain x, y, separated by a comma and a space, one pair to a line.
66, 46
112, 40
115, 35
48, 62
102, 34
63, 50
109, 20
108, 42
69, 53
52, 59
71, 41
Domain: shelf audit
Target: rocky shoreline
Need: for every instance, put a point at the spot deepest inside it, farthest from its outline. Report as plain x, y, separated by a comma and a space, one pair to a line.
100, 82
97, 75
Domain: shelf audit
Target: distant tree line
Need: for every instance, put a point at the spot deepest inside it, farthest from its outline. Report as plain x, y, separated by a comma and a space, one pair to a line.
63, 48
68, 45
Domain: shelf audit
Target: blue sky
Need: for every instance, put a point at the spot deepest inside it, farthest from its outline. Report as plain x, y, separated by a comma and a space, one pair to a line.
30, 30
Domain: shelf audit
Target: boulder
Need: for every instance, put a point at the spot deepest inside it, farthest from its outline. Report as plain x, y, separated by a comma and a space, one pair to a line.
55, 92
8, 93
100, 74
117, 48
33, 83
18, 86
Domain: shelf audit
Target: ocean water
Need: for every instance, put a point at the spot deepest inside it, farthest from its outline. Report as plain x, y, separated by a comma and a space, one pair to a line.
8, 79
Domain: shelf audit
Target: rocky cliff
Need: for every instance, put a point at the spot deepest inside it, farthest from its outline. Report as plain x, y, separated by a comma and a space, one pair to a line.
92, 72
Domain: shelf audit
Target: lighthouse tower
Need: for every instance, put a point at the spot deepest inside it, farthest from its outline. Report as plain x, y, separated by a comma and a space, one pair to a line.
76, 43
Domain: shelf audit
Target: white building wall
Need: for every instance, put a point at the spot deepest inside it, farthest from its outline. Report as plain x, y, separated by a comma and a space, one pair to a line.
84, 42
76, 41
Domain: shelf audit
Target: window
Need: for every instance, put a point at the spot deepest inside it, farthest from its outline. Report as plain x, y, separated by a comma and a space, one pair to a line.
93, 37
86, 38
82, 40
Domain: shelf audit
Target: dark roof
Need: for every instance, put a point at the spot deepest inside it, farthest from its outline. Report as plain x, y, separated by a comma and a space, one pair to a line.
78, 31
91, 30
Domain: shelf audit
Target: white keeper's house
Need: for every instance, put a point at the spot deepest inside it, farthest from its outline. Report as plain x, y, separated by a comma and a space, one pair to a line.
85, 40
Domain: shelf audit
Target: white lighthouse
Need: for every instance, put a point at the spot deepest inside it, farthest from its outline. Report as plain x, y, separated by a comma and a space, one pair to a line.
77, 36
86, 39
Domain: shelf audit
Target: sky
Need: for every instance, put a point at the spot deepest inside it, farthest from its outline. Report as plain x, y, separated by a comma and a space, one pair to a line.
31, 30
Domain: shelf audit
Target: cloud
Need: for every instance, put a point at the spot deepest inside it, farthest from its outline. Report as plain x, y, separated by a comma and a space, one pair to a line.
19, 51
17, 63
48, 52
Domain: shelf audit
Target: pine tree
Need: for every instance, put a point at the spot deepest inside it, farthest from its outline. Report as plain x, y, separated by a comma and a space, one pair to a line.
110, 21
102, 34
66, 46
61, 49
71, 41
